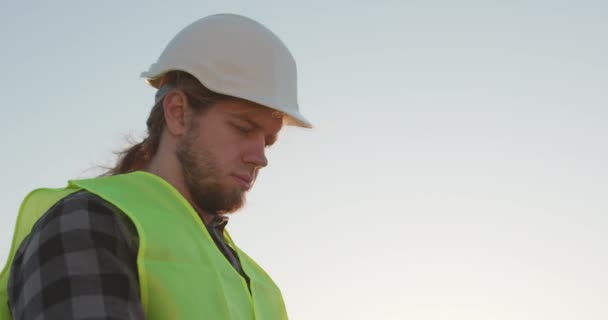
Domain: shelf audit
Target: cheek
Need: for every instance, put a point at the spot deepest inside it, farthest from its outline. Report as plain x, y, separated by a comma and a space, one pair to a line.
231, 147
227, 147
226, 156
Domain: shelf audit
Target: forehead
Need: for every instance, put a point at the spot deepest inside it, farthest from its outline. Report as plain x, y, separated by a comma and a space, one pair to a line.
238, 109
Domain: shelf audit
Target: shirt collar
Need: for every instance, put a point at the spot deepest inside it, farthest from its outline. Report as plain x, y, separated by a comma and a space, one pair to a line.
219, 222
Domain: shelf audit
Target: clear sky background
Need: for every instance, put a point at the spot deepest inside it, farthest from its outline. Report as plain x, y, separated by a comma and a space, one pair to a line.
458, 169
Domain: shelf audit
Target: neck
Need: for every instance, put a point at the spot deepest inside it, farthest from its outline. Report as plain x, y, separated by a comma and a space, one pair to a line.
174, 176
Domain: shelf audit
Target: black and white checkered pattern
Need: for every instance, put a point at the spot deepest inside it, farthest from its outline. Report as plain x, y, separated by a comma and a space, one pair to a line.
80, 262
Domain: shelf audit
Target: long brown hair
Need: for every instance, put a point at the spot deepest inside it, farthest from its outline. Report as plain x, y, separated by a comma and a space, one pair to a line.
138, 155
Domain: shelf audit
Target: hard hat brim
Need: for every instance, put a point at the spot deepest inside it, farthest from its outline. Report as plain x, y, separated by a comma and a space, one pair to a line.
294, 118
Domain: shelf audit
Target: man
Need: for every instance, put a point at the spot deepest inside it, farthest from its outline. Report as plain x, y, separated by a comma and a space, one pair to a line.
147, 240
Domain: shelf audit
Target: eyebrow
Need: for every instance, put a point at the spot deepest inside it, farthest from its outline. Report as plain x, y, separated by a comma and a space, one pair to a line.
270, 139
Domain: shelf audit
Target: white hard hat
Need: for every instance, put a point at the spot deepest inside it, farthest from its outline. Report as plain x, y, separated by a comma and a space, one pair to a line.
236, 56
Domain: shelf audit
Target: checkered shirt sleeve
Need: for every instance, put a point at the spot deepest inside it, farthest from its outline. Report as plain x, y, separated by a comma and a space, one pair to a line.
79, 262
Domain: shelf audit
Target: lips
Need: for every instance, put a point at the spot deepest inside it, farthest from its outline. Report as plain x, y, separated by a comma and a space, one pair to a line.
244, 180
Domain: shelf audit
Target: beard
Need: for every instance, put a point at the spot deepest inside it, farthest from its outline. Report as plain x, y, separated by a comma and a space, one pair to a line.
202, 178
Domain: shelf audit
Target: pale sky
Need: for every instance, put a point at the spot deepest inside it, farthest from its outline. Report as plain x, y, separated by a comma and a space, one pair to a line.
458, 169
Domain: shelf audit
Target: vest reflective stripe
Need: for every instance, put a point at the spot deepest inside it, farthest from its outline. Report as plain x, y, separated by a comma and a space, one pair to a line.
182, 273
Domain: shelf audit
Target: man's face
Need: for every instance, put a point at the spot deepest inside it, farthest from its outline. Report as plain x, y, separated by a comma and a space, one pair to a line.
223, 151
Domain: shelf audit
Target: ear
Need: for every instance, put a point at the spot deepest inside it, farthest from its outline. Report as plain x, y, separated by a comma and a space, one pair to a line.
177, 112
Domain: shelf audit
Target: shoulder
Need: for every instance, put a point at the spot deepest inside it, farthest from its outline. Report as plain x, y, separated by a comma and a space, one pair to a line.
82, 211
79, 222
80, 247
78, 209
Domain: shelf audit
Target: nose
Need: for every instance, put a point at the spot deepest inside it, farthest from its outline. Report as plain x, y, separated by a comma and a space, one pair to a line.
256, 155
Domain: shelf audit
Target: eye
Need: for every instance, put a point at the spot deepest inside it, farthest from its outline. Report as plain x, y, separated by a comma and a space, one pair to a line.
243, 130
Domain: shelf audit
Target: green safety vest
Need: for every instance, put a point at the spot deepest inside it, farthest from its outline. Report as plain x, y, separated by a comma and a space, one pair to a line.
182, 273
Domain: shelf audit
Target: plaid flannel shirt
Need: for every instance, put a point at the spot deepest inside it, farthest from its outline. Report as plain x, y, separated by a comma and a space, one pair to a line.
80, 262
